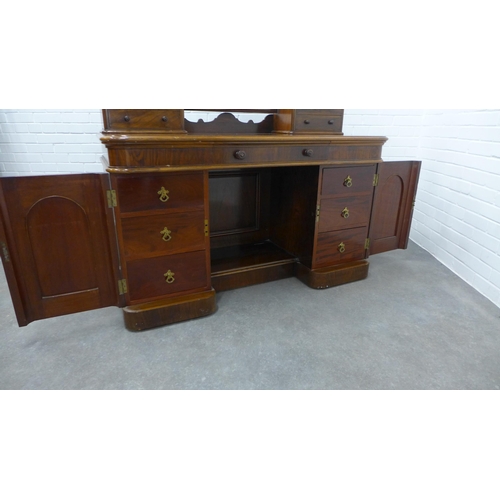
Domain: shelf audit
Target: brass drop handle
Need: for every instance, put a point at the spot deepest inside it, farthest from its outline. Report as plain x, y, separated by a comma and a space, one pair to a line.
348, 182
341, 247
169, 277
163, 195
166, 234
345, 213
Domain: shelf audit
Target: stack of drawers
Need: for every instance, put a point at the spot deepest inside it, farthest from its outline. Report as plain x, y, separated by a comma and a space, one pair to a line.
163, 228
344, 207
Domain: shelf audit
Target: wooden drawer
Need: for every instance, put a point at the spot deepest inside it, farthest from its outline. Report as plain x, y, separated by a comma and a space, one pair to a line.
144, 120
348, 180
318, 121
344, 212
147, 278
156, 192
163, 234
330, 245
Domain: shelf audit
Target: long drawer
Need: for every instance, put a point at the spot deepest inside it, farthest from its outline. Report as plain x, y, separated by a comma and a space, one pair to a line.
340, 246
163, 234
166, 275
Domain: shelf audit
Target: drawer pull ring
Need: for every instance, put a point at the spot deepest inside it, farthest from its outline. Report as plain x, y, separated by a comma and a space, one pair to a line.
167, 235
348, 182
345, 213
341, 248
307, 152
163, 194
169, 277
240, 155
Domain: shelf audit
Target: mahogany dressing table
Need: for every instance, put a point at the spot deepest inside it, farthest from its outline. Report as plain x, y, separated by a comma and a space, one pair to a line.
188, 209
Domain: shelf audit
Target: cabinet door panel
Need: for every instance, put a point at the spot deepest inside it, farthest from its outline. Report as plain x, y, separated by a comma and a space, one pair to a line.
393, 205
59, 236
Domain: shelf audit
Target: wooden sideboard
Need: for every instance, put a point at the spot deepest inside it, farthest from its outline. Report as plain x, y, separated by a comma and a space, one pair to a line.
187, 209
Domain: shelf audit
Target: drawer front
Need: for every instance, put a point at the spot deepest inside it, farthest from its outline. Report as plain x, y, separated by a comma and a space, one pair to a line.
340, 246
156, 192
147, 120
301, 112
163, 234
318, 123
344, 212
348, 180
277, 154
167, 275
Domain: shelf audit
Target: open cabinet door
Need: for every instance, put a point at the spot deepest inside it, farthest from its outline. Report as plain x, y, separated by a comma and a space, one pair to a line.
58, 244
393, 205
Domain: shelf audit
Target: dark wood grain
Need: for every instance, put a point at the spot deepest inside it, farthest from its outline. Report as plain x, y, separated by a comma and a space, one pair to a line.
393, 206
328, 252
333, 276
62, 257
142, 236
145, 120
168, 311
334, 180
331, 218
146, 277
139, 193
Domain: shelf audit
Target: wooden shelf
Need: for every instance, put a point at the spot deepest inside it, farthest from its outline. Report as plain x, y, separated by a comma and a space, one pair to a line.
240, 266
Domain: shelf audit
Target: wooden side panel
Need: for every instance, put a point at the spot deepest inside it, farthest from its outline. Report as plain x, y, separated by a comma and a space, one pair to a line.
62, 257
393, 205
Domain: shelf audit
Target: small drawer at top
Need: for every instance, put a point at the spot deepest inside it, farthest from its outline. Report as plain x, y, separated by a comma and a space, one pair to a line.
156, 192
310, 121
347, 180
150, 120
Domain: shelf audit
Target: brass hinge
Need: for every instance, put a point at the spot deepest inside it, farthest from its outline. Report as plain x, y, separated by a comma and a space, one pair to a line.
367, 244
206, 227
375, 180
122, 287
111, 195
318, 208
5, 251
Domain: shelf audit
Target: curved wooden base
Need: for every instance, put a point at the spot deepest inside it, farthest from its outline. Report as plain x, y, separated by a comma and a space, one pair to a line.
167, 311
334, 275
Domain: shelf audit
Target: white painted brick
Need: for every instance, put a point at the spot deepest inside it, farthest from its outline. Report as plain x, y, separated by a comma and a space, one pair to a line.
29, 157
68, 148
82, 158
19, 117
40, 148
55, 158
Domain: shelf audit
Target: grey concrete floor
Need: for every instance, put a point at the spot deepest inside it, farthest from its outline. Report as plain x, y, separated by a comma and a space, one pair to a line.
412, 324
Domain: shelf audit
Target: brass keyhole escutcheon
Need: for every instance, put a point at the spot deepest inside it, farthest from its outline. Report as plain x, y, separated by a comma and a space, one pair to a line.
341, 248
166, 234
348, 181
169, 277
163, 194
345, 213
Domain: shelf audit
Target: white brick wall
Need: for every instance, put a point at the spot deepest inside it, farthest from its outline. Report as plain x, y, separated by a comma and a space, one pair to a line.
458, 203
38, 141
457, 215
